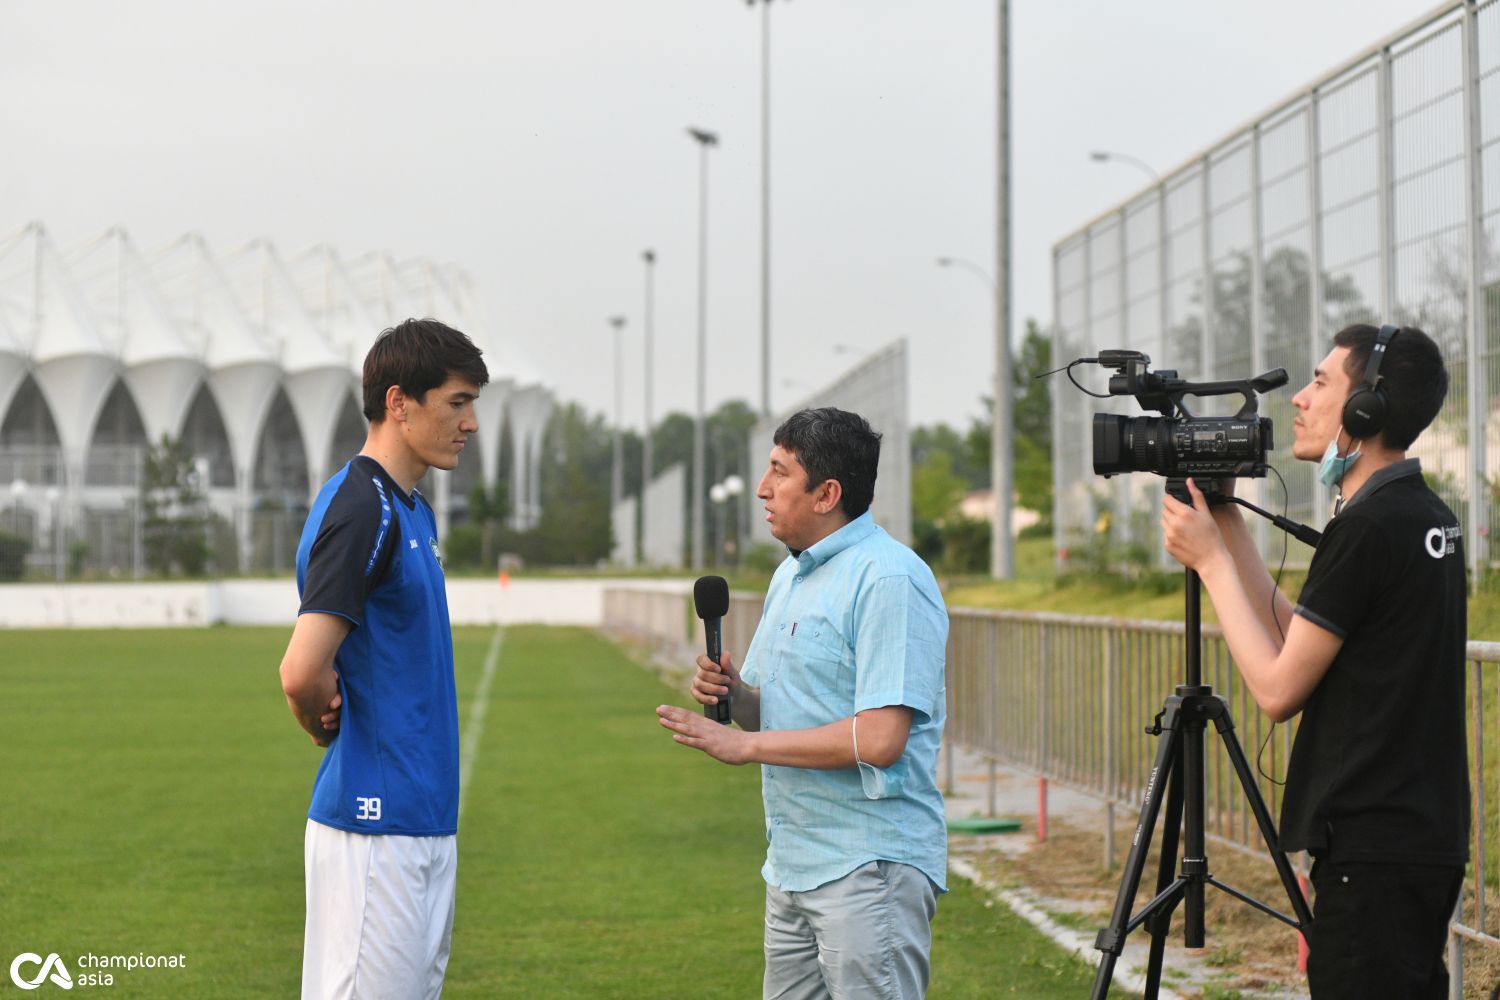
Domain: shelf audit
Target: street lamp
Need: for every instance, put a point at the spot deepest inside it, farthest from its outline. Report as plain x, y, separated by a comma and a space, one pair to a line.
706, 141
721, 493
765, 205
718, 494
18, 488
54, 501
970, 266
1105, 156
735, 486
649, 256
617, 464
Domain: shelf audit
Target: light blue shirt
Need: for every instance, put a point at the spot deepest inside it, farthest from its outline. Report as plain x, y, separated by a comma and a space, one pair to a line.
853, 623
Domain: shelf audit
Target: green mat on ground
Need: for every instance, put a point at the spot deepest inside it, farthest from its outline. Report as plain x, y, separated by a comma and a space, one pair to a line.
983, 824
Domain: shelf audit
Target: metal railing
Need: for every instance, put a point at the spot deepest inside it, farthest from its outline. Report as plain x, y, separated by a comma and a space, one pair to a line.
1069, 698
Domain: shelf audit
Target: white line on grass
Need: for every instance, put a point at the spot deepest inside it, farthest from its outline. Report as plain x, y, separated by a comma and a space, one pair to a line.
475, 728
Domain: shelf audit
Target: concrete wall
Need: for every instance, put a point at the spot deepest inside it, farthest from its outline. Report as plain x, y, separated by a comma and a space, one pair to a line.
274, 602
666, 518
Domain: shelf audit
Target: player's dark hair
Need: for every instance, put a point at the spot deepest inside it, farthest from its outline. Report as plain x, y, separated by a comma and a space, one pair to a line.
418, 355
834, 444
1412, 373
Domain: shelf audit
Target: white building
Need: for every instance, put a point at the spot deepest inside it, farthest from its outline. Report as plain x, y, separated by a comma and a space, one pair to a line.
252, 359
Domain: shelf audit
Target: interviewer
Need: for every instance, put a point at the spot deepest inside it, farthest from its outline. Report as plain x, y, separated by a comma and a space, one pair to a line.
841, 699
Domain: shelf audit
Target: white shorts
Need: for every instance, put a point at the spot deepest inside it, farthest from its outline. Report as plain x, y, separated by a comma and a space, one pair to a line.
379, 915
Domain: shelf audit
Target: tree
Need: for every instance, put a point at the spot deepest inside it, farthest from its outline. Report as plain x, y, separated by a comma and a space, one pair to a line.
935, 495
13, 551
575, 528
489, 508
964, 461
935, 491
1031, 421
174, 510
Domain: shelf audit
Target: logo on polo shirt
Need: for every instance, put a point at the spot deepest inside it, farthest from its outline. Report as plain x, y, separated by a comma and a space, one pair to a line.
1441, 541
437, 553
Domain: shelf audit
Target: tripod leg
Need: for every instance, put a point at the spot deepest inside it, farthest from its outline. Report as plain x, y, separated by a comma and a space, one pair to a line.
1160, 922
1111, 940
1237, 758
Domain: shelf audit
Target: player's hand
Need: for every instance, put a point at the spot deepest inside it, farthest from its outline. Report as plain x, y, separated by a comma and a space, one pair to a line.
330, 718
1191, 534
693, 729
713, 680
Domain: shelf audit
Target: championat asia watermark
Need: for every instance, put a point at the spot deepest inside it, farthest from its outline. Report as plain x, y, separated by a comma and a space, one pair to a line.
30, 971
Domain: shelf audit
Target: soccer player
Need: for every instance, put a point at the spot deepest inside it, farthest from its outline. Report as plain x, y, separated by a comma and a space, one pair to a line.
369, 674
1372, 656
841, 700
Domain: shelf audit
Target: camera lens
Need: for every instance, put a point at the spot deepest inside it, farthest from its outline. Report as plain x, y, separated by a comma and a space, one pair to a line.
1132, 444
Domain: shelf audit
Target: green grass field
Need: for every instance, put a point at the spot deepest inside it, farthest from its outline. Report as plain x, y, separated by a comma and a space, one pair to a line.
153, 795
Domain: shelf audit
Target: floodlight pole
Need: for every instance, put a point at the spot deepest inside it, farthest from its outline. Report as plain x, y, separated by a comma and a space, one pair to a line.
1002, 449
617, 457
706, 140
765, 206
649, 256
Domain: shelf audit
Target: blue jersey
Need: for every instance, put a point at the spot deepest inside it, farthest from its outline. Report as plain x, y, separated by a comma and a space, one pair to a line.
369, 553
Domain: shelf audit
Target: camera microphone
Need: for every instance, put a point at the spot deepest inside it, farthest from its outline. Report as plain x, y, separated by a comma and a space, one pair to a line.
711, 603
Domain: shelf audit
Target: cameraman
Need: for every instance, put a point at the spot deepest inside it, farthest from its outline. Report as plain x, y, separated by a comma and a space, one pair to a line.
1377, 788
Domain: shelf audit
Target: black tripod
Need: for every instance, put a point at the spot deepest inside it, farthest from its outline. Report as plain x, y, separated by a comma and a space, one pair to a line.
1179, 770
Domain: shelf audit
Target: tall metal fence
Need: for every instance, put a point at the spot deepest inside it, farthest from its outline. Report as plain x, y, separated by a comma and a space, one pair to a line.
1069, 698
1370, 195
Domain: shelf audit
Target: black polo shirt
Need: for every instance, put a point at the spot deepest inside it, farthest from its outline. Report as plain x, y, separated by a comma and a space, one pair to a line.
1379, 770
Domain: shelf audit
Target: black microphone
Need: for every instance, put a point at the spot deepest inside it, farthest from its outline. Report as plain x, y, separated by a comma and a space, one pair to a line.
711, 602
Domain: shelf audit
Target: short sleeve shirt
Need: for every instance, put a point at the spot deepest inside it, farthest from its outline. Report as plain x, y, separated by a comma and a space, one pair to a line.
1379, 769
369, 553
855, 622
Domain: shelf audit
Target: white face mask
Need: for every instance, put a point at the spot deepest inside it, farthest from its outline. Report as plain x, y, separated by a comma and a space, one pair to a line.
1333, 466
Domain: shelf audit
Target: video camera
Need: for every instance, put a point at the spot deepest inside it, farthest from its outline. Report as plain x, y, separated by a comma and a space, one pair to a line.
1178, 444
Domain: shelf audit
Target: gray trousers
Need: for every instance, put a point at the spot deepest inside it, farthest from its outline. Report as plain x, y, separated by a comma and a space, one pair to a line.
866, 935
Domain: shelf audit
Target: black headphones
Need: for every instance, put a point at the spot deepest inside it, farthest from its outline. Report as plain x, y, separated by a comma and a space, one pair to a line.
1367, 407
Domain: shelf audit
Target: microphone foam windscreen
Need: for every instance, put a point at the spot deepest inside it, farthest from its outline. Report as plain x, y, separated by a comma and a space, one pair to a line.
711, 597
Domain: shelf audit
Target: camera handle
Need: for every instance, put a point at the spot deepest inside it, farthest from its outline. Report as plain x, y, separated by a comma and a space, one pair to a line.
1177, 487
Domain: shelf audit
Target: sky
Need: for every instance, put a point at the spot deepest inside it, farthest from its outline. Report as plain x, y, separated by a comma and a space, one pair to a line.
542, 146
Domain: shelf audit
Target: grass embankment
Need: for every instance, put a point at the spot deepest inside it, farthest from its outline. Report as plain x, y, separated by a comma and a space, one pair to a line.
1155, 596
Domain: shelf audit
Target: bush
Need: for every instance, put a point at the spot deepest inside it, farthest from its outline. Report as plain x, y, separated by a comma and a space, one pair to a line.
966, 545
763, 557
78, 552
13, 552
463, 548
927, 539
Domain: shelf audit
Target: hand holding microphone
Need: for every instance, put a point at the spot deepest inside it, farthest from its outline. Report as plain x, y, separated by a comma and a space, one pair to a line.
711, 602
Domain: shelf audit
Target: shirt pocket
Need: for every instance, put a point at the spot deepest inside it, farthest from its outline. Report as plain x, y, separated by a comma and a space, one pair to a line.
824, 664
